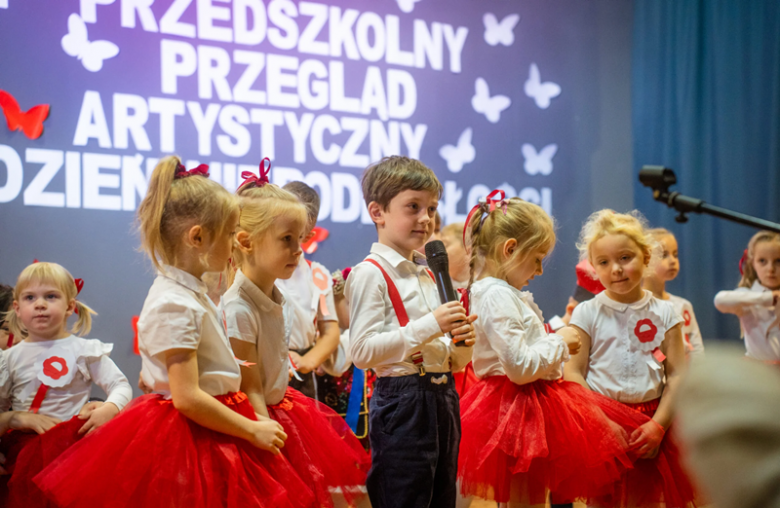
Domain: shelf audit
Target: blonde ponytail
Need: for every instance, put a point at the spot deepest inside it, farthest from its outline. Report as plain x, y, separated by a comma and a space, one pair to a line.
173, 205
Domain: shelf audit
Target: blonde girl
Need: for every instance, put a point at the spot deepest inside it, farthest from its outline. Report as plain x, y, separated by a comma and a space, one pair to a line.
320, 447
196, 440
526, 433
50, 374
756, 301
666, 269
632, 352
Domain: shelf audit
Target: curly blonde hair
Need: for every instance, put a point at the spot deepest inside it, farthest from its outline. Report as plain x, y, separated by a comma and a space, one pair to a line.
608, 222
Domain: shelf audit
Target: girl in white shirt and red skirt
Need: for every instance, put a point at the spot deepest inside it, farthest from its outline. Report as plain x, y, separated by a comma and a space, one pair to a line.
633, 352
526, 432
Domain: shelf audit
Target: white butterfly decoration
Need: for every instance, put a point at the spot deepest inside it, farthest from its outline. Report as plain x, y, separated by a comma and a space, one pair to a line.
407, 6
540, 92
91, 54
502, 32
458, 156
539, 163
491, 107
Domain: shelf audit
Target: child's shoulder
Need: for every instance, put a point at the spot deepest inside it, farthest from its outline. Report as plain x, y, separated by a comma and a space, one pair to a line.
679, 301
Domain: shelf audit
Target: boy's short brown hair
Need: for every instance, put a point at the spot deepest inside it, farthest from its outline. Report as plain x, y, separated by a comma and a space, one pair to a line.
392, 175
307, 196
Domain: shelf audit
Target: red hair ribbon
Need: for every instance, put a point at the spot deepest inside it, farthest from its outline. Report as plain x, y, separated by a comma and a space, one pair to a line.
742, 261
181, 171
261, 180
79, 285
464, 299
492, 202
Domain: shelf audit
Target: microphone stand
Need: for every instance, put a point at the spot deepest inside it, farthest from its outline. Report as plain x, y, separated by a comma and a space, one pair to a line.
660, 178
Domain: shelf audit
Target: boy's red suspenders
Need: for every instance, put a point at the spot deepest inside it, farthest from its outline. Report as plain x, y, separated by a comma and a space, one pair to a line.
400, 310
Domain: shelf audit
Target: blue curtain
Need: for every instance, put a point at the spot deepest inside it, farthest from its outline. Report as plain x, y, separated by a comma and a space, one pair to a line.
706, 102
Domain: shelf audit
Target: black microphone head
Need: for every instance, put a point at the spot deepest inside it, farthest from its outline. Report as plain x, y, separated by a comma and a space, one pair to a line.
436, 254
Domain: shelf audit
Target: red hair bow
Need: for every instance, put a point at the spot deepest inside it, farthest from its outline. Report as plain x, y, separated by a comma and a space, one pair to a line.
79, 285
742, 262
181, 171
492, 202
261, 180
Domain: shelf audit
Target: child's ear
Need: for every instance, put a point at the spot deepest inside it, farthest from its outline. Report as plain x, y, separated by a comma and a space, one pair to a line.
195, 236
244, 242
509, 247
71, 307
376, 213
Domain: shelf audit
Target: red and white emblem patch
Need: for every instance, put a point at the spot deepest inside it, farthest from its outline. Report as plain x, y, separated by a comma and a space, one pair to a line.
645, 330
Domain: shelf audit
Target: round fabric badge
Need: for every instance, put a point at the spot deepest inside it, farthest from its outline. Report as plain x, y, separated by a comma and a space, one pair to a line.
645, 330
687, 317
56, 367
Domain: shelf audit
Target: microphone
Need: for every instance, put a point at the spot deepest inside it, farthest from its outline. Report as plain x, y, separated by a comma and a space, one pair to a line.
439, 264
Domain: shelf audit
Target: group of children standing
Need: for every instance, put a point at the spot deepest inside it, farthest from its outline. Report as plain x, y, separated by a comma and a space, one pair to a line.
582, 413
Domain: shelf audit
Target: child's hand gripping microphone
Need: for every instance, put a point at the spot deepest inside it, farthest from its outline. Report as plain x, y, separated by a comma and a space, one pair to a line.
439, 264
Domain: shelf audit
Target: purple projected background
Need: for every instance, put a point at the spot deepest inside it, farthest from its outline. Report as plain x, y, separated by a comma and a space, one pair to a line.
497, 93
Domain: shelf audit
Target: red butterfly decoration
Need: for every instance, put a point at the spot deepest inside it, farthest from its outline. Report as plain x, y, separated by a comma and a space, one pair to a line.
318, 235
30, 122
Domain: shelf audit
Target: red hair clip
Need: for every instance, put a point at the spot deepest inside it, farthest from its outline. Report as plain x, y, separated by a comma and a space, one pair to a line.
181, 171
261, 180
492, 202
742, 262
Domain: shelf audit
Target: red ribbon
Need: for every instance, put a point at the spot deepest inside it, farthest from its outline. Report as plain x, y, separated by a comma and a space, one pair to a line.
10, 340
261, 180
79, 285
181, 171
464, 299
742, 261
38, 400
492, 203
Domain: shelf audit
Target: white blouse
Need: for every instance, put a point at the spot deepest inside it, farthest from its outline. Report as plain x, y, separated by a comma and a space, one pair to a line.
376, 339
177, 314
694, 344
255, 318
757, 315
85, 360
303, 302
511, 339
618, 366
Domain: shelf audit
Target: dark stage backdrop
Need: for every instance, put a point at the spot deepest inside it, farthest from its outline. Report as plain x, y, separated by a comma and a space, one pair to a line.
531, 96
706, 102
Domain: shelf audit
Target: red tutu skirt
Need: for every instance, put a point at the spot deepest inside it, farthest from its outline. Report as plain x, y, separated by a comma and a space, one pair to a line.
519, 442
153, 456
465, 379
658, 482
28, 454
321, 447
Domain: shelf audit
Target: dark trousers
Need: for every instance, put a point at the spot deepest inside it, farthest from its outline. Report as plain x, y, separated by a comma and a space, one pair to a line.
415, 434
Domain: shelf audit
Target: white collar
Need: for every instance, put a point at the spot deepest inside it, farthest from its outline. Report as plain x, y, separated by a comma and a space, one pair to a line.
526, 296
603, 299
394, 258
187, 280
758, 287
260, 299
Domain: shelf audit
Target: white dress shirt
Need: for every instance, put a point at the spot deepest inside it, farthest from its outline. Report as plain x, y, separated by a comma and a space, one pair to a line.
20, 383
255, 318
376, 338
511, 339
758, 319
177, 314
617, 368
302, 303
690, 327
